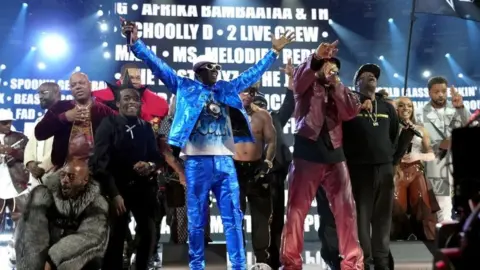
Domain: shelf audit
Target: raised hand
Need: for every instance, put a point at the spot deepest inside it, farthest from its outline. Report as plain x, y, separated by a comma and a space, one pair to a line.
288, 69
326, 50
457, 99
129, 26
282, 41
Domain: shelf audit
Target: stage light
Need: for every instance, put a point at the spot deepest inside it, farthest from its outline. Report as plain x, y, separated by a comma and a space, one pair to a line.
325, 34
41, 66
25, 5
3, 67
100, 13
117, 76
447, 55
77, 69
330, 21
390, 20
426, 74
103, 27
106, 55
33, 48
395, 75
460, 75
105, 44
134, 7
381, 57
53, 46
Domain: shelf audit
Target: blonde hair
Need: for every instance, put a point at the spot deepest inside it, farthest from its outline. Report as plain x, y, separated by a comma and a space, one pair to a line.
412, 117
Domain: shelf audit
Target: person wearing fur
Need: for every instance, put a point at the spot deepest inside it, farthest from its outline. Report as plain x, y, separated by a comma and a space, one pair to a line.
64, 225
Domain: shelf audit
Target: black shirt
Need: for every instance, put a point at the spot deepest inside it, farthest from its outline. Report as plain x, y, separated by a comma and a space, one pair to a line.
367, 143
117, 150
319, 151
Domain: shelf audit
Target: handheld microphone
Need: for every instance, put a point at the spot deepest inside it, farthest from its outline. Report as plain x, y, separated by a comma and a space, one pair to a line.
409, 127
128, 35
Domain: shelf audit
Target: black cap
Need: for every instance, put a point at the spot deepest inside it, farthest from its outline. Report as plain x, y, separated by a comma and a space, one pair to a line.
260, 99
336, 61
373, 68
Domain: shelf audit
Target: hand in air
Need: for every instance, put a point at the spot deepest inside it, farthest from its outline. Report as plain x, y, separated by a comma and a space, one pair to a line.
457, 99
288, 69
282, 41
129, 26
327, 50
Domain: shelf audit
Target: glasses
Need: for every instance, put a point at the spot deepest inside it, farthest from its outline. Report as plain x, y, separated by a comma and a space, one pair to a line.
213, 67
250, 91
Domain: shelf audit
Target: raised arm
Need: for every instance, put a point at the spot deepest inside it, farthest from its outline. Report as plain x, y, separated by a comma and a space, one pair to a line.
253, 74
100, 160
348, 103
87, 243
305, 74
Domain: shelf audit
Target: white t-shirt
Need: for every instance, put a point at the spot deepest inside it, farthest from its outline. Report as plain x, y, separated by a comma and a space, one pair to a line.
7, 190
211, 136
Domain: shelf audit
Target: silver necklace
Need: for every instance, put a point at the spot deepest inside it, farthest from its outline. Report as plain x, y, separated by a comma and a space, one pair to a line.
130, 130
374, 118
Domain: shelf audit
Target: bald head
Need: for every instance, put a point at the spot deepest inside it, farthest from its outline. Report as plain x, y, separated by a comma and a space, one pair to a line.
81, 87
49, 94
73, 178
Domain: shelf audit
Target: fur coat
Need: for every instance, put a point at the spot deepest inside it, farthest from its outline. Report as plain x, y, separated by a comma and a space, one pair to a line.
68, 233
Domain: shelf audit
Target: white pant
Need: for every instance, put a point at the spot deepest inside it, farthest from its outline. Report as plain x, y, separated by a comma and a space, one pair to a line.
446, 208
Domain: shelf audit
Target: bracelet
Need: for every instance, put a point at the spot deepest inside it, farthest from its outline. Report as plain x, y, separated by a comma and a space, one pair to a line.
275, 51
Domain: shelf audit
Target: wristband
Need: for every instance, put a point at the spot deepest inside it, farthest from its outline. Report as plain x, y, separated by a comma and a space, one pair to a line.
275, 51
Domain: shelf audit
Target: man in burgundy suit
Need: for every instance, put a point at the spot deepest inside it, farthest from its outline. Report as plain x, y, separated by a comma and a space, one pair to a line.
322, 104
72, 123
154, 108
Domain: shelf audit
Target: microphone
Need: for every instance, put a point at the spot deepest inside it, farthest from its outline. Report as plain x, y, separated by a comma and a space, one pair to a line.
128, 35
411, 128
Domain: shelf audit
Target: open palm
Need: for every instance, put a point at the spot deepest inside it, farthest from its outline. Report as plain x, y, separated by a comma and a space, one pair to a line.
288, 69
282, 41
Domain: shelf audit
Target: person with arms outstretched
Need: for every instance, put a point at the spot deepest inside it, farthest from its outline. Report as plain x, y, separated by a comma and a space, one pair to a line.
207, 112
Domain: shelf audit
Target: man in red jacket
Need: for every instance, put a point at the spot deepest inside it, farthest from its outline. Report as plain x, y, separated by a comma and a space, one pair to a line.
322, 104
154, 107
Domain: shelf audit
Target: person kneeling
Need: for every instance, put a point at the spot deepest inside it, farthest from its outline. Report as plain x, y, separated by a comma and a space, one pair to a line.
64, 225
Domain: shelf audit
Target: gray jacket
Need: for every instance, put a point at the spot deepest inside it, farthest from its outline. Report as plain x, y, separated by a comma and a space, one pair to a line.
69, 233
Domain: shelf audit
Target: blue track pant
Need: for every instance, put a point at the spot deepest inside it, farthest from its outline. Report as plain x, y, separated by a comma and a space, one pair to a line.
216, 173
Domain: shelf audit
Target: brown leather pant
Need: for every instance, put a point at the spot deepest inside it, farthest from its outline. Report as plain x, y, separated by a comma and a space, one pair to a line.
304, 180
412, 196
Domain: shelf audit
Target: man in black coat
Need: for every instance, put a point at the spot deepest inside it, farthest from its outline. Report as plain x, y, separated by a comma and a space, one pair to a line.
277, 175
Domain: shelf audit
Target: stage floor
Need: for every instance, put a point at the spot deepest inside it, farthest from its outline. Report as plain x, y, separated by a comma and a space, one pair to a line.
407, 256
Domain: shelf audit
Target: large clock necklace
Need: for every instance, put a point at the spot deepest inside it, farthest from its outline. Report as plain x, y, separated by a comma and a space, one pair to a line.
213, 107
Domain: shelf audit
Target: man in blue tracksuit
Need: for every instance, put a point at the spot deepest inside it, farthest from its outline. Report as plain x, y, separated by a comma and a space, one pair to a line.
207, 111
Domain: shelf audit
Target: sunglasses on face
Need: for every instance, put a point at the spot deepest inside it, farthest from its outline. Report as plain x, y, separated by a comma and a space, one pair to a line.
213, 67
250, 91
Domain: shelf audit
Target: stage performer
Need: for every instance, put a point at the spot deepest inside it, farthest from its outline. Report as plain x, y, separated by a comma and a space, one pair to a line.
252, 165
72, 123
202, 128
322, 104
154, 107
277, 175
37, 158
439, 118
413, 193
65, 224
125, 160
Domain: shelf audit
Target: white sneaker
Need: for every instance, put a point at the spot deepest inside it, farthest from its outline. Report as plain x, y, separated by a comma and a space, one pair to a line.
260, 266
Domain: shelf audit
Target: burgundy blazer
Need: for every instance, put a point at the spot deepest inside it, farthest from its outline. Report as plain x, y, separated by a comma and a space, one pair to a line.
55, 124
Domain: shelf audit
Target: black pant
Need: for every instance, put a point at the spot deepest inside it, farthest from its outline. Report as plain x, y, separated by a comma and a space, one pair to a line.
277, 195
260, 205
142, 202
372, 187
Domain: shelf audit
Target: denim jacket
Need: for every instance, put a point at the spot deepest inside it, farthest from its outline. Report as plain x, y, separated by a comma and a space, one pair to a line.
192, 95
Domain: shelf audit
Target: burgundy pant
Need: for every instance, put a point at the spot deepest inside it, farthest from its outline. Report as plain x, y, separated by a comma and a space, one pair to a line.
304, 179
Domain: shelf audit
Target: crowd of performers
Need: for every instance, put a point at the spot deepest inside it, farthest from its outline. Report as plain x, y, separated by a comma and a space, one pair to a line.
97, 160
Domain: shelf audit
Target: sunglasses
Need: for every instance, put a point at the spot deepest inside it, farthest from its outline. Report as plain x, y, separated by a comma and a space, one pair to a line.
213, 67
250, 91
